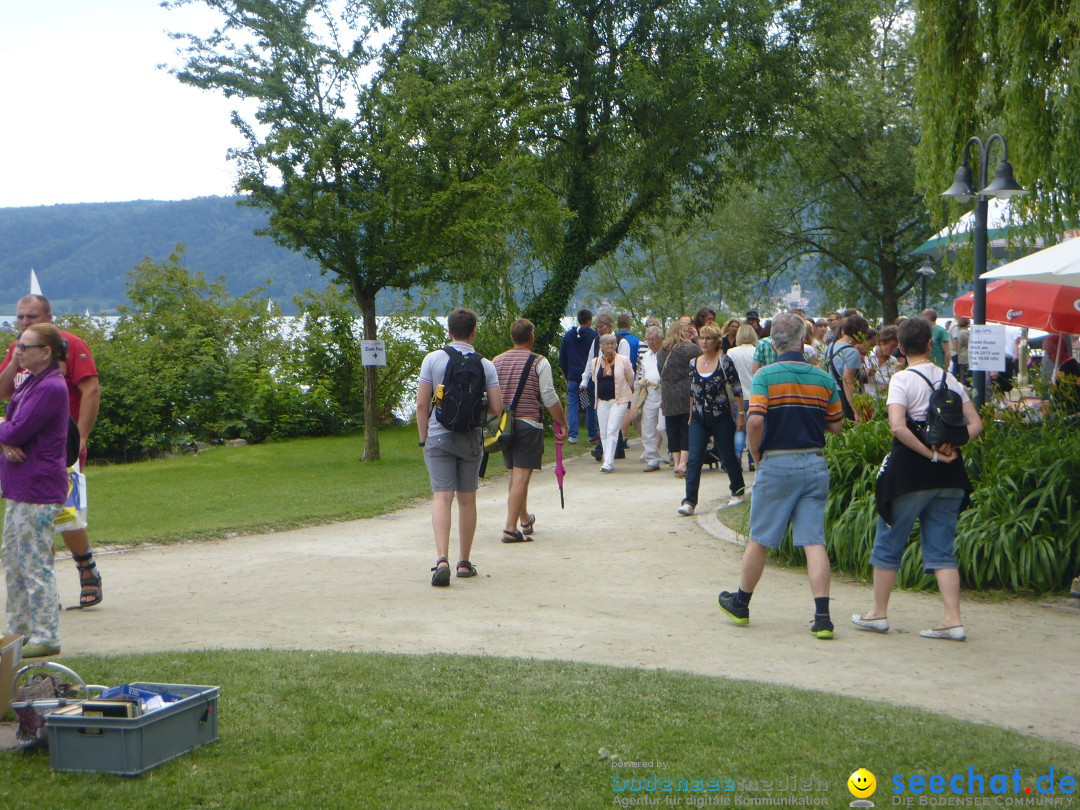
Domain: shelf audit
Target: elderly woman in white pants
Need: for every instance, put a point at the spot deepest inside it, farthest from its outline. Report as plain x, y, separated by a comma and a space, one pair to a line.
613, 378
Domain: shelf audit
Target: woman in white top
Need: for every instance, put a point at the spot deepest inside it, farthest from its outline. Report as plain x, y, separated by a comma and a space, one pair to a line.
917, 482
743, 357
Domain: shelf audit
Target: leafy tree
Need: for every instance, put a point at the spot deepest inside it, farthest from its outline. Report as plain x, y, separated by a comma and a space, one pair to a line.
838, 206
673, 267
387, 166
858, 212
650, 99
1009, 66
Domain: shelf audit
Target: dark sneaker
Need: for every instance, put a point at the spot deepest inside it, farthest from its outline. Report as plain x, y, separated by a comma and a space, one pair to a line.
822, 627
738, 615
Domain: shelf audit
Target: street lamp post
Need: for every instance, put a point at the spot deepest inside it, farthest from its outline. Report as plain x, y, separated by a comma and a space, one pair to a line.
927, 273
964, 191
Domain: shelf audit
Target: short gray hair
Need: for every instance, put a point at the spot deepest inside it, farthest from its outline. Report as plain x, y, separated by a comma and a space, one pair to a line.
608, 338
788, 331
654, 330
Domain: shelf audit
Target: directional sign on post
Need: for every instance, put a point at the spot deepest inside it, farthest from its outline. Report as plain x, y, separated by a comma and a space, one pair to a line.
374, 352
986, 348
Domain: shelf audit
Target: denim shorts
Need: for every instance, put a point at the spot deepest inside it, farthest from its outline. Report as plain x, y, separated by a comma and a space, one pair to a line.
453, 461
937, 511
790, 488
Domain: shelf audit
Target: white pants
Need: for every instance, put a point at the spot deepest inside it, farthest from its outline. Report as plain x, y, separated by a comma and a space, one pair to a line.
650, 418
610, 415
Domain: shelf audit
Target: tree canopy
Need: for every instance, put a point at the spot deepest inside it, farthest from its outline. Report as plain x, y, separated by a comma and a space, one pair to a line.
657, 104
385, 165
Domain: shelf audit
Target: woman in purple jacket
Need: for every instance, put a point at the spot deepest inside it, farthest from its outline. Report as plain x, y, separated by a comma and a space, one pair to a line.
33, 476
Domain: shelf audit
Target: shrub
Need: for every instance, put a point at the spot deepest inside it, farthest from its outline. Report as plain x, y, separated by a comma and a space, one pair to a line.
186, 362
1021, 532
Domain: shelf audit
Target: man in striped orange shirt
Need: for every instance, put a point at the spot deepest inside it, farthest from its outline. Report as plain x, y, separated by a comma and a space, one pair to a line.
792, 406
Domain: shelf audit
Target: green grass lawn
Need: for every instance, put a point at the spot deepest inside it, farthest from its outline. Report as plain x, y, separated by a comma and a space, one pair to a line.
306, 729
277, 485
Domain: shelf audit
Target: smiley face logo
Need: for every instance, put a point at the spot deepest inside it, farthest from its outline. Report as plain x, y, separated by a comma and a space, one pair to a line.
862, 784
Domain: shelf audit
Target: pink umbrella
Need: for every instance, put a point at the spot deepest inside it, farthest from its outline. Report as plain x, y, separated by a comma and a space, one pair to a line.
560, 470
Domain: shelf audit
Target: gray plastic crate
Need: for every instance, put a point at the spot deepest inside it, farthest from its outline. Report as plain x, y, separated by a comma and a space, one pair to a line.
131, 746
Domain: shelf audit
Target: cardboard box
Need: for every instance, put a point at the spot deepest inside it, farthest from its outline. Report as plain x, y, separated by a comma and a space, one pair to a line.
10, 661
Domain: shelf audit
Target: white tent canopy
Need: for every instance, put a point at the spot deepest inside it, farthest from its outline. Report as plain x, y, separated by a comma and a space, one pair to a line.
1059, 264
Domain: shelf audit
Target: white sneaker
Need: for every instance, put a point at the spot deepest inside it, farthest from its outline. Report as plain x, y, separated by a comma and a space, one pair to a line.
652, 466
735, 500
686, 509
956, 633
606, 469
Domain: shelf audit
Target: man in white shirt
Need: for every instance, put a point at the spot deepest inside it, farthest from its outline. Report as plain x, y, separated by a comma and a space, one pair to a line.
649, 385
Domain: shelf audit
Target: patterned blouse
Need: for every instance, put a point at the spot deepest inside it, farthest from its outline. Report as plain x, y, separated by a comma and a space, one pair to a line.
710, 393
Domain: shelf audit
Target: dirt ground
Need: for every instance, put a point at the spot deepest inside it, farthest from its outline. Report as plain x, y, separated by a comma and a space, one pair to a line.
616, 578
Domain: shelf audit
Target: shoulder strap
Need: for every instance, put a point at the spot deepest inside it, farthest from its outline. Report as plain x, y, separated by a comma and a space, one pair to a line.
450, 351
521, 383
925, 378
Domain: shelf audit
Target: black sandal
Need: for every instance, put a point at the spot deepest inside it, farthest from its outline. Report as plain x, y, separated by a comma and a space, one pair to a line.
471, 569
441, 575
527, 526
514, 537
89, 581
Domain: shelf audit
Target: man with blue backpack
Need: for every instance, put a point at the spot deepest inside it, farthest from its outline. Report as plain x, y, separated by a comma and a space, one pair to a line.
458, 387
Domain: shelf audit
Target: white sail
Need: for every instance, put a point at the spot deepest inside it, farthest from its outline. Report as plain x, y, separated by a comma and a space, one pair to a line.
35, 288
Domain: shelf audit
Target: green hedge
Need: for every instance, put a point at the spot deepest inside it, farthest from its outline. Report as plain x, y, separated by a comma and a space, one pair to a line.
1021, 532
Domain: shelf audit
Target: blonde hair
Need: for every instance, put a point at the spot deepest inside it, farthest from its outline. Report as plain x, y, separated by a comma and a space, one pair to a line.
676, 336
746, 335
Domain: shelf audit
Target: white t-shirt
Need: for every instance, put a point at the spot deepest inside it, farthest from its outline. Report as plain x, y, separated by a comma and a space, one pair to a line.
433, 369
910, 390
649, 370
743, 358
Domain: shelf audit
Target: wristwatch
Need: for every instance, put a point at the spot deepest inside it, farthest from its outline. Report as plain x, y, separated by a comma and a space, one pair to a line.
935, 457
421, 444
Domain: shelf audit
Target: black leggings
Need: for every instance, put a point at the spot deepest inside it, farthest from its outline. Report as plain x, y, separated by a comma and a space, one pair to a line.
678, 432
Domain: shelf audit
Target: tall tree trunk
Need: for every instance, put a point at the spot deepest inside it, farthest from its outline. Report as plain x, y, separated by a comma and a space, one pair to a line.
890, 304
366, 300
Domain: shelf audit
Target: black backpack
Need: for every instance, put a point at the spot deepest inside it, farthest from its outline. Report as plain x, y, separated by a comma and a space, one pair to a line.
460, 399
945, 421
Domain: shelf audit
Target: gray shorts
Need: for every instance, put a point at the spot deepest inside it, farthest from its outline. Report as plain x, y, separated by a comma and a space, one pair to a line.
453, 461
527, 449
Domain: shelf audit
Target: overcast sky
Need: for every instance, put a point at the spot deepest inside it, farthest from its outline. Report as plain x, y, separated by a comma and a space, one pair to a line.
88, 116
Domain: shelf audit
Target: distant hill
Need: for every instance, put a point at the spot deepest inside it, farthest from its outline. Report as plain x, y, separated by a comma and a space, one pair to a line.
82, 253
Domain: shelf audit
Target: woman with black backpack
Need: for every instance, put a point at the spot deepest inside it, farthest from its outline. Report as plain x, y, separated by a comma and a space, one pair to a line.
922, 478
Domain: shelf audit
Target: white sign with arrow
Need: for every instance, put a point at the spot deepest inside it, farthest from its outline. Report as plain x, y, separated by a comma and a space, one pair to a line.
374, 352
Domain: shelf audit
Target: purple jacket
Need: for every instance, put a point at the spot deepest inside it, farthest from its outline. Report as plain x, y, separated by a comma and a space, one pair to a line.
37, 422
